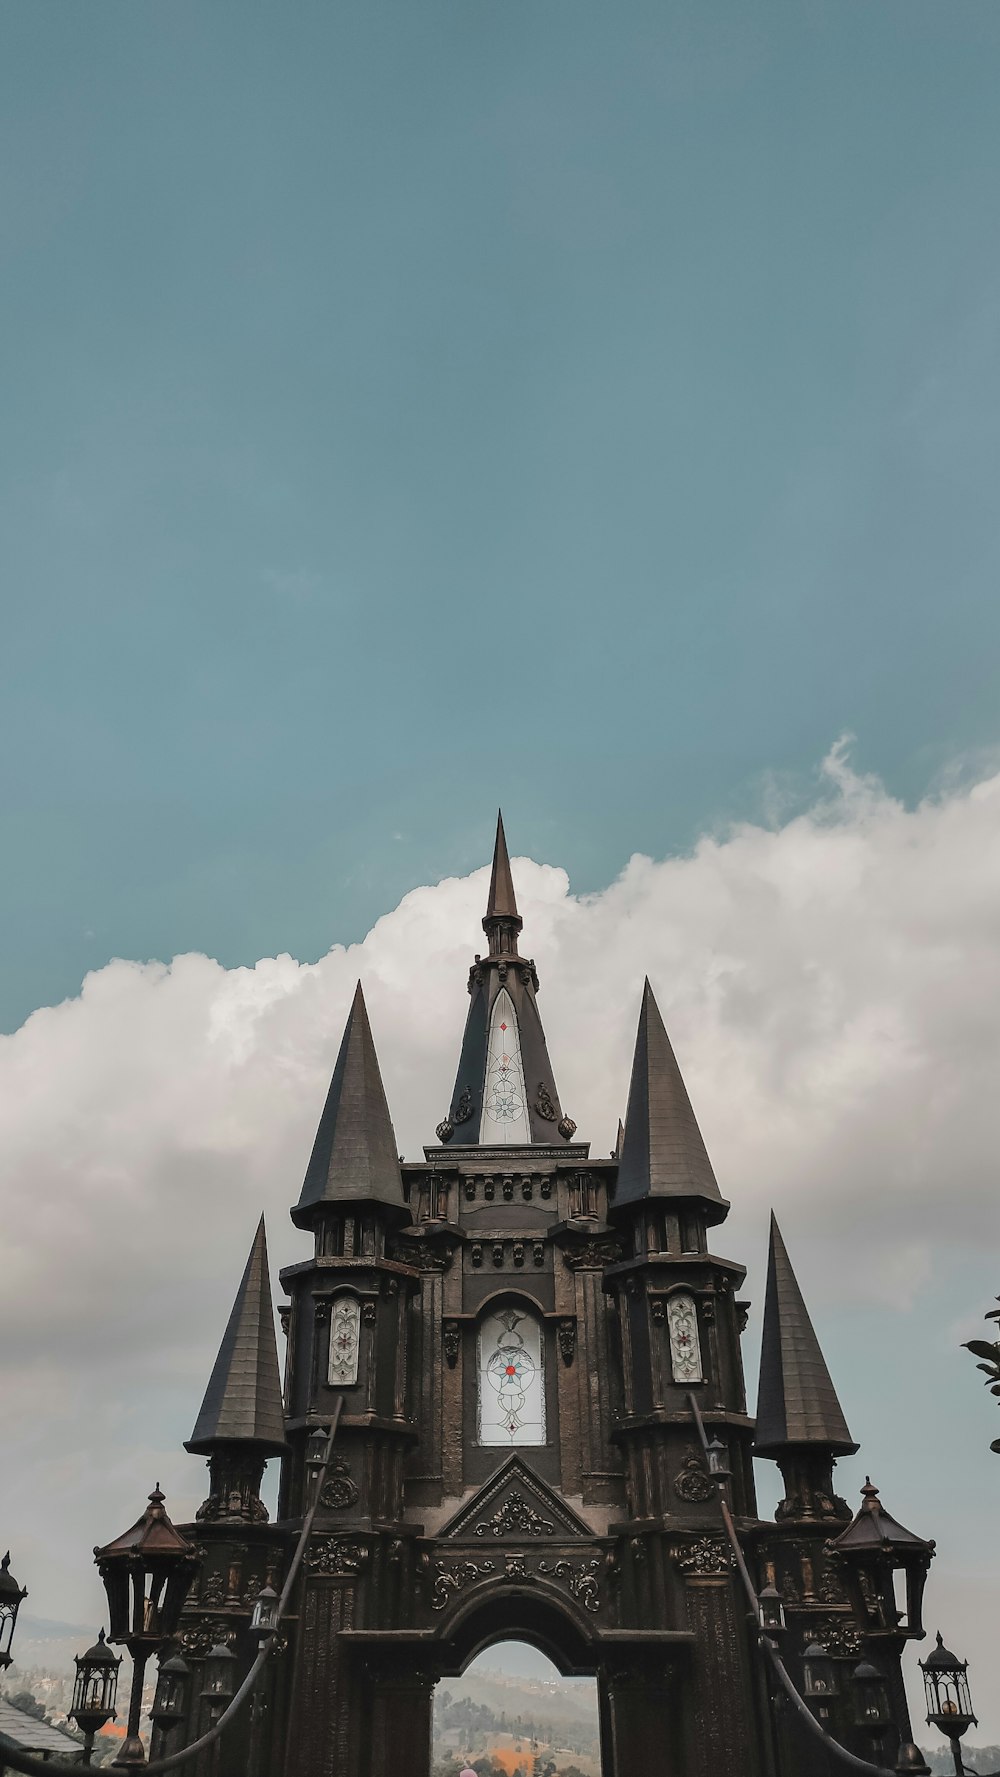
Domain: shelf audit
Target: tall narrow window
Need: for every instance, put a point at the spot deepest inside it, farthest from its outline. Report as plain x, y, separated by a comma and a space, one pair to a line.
345, 1341
685, 1346
511, 1379
505, 1102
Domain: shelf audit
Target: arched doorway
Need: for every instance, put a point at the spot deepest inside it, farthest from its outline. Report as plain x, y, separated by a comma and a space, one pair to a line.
512, 1713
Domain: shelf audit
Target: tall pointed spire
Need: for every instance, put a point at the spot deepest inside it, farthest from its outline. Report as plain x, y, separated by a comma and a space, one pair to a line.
797, 1403
354, 1157
505, 1092
242, 1402
501, 909
662, 1153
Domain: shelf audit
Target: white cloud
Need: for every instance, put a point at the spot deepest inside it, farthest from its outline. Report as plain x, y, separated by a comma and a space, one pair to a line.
831, 986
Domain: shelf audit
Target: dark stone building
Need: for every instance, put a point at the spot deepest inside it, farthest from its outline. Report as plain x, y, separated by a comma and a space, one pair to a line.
516, 1330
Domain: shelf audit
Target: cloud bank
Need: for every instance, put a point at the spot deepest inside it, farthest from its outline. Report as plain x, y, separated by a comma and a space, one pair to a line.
831, 985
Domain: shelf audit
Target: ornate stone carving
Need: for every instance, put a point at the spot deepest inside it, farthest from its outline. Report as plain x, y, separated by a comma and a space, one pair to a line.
476, 1254
592, 1255
566, 1332
839, 1636
447, 1580
197, 1637
464, 1108
692, 1483
706, 1555
498, 1254
369, 1313
214, 1589
519, 1252
331, 1555
452, 1336
515, 1518
581, 1579
538, 1252
543, 1103
339, 1489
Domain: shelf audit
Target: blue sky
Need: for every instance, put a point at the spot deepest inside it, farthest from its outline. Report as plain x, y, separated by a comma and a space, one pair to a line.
408, 408
411, 408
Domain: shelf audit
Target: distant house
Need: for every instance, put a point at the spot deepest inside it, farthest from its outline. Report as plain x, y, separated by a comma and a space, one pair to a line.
36, 1736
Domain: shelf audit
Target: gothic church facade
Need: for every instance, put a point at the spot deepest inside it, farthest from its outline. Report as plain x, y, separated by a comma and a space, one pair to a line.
515, 1333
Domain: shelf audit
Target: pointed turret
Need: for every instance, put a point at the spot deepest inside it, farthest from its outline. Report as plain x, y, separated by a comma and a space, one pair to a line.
505, 1091
242, 1402
662, 1153
797, 1403
354, 1158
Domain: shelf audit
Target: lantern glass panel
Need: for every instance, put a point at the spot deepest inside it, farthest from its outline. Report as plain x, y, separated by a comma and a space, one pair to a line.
871, 1699
819, 1672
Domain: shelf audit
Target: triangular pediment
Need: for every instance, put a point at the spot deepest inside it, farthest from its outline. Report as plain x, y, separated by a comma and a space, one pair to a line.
514, 1505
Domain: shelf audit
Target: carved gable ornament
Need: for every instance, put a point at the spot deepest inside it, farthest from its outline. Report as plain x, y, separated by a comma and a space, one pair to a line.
516, 1506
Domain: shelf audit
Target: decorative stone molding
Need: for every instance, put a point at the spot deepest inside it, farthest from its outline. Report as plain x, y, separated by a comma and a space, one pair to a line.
339, 1490
693, 1484
332, 1556
707, 1555
515, 1518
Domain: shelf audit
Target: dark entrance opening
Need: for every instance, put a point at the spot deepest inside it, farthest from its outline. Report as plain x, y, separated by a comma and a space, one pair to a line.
513, 1713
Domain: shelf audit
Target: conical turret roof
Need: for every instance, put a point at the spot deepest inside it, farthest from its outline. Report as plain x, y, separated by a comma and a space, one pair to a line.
354, 1157
662, 1153
243, 1399
796, 1401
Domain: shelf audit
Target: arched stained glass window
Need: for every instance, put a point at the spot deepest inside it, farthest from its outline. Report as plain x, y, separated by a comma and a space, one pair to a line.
505, 1102
345, 1341
685, 1345
511, 1379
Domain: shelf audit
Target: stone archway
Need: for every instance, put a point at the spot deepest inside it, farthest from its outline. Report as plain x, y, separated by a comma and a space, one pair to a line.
511, 1707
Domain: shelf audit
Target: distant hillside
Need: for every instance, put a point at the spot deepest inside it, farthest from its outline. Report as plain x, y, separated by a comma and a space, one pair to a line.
518, 1721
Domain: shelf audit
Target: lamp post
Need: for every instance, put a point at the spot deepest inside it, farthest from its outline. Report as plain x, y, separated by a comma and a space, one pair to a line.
147, 1572
94, 1691
946, 1694
11, 1595
819, 1679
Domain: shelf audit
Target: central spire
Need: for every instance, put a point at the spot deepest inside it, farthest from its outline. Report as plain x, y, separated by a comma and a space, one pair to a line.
505, 1092
502, 923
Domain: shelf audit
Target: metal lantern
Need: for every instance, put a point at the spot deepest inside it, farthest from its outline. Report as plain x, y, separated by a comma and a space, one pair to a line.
170, 1702
718, 1461
219, 1681
770, 1610
871, 1699
147, 1573
265, 1614
946, 1692
875, 1547
316, 1447
11, 1595
819, 1672
95, 1688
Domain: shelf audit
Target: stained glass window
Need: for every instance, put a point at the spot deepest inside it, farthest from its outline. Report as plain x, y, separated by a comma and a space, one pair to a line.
505, 1103
345, 1341
685, 1346
511, 1379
